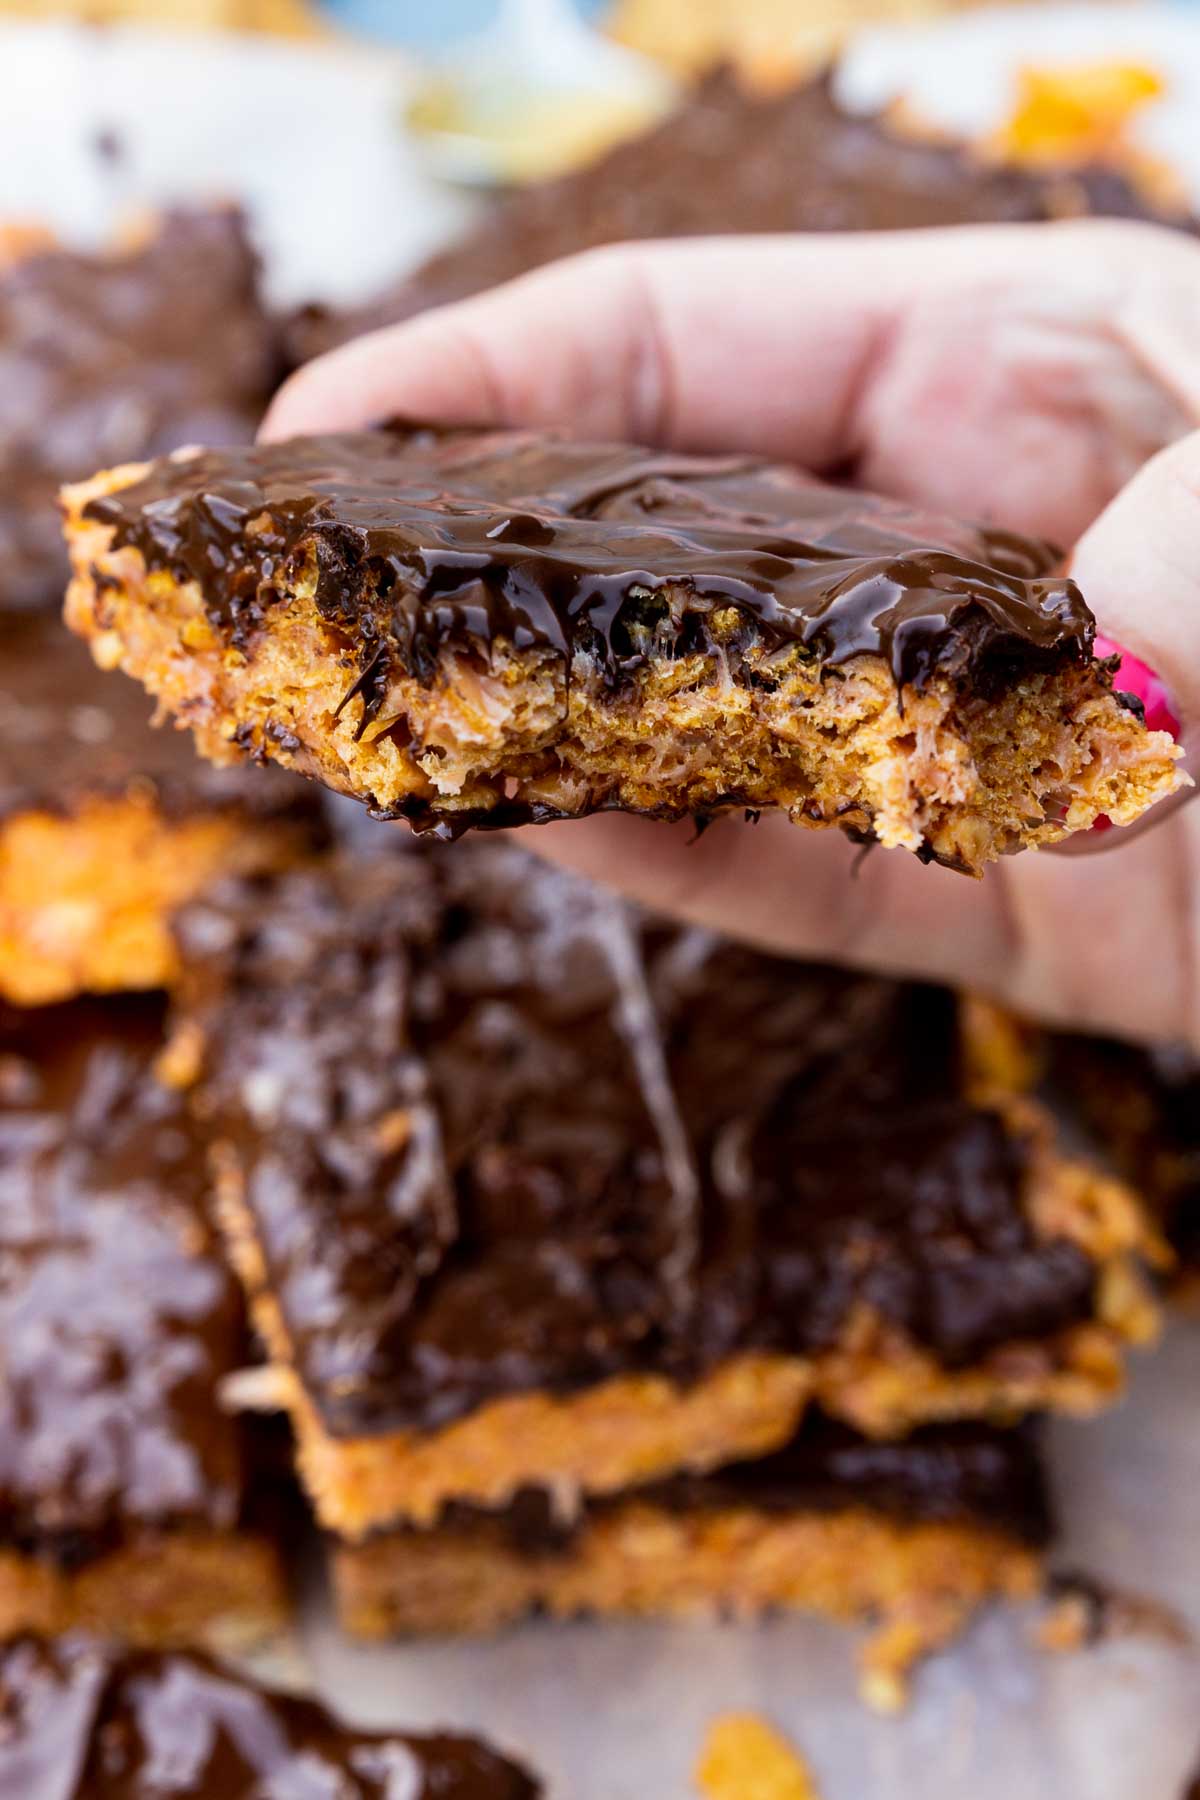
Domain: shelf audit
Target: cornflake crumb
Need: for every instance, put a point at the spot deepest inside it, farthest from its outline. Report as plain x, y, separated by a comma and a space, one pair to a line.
745, 1758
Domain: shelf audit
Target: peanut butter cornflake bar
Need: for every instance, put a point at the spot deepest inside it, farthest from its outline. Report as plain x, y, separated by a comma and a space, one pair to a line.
107, 826
912, 1537
126, 1489
483, 629
528, 1191
84, 1721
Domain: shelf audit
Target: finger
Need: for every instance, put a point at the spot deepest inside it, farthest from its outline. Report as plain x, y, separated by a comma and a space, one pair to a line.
1020, 373
1041, 934
795, 891
1139, 566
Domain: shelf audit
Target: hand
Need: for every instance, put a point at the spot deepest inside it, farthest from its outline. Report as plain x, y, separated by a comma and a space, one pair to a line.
1016, 374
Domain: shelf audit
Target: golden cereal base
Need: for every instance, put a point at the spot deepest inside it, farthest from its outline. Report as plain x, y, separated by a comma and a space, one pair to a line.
87, 894
218, 1590
917, 1583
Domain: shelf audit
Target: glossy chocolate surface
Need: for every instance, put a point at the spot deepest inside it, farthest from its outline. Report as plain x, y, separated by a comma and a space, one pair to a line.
967, 1473
661, 1150
108, 359
82, 1722
117, 1315
421, 539
68, 730
729, 162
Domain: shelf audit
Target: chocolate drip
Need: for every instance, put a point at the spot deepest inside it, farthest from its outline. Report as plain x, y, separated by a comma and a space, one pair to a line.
732, 161
421, 539
963, 1473
659, 1157
83, 1722
105, 359
117, 1317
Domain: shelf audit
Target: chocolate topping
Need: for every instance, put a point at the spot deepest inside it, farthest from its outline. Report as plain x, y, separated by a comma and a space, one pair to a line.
107, 359
965, 1473
83, 1722
841, 1165
662, 1150
731, 161
117, 1317
420, 539
68, 730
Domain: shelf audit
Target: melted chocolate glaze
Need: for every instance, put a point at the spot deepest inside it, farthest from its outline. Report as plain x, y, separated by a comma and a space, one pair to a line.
966, 1473
117, 1317
661, 1149
67, 731
107, 359
730, 162
79, 1721
419, 539
1144, 1106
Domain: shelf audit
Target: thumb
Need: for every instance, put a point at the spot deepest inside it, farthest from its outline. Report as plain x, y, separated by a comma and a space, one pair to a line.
1139, 567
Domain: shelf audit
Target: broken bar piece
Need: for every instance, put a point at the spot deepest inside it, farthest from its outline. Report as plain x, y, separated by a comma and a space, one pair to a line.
911, 1536
83, 1721
529, 1191
491, 628
125, 1487
106, 826
127, 353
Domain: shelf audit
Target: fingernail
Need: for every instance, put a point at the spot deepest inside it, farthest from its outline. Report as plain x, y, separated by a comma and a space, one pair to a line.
1134, 677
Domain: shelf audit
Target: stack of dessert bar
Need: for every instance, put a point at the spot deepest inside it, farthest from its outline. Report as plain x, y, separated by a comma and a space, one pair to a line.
608, 1267
127, 1496
136, 1507
599, 1265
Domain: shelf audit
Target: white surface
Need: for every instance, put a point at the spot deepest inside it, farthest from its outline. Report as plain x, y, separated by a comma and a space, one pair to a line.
308, 137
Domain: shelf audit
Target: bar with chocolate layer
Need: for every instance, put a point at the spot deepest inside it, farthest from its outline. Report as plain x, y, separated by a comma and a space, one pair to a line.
530, 1191
106, 826
491, 628
130, 352
911, 1536
125, 1486
83, 1721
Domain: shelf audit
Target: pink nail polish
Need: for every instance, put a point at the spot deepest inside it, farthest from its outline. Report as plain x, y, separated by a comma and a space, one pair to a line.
1134, 677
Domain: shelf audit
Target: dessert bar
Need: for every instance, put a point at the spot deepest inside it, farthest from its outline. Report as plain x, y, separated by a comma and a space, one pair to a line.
910, 1536
492, 628
105, 357
530, 1191
125, 1487
107, 826
86, 1722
